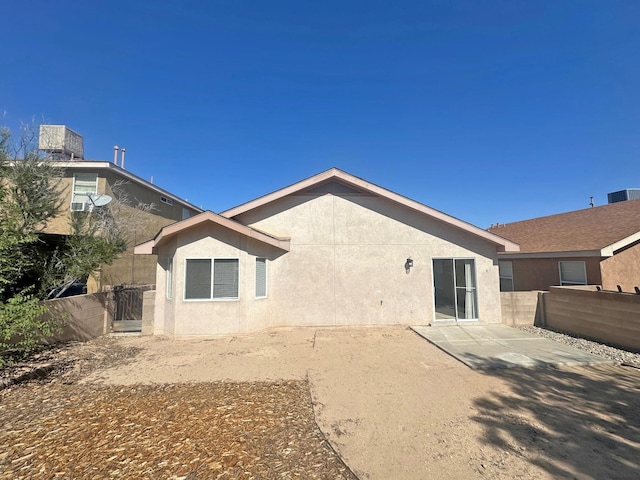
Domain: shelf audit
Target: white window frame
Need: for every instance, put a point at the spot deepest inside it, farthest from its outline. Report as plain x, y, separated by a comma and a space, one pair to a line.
169, 283
564, 283
266, 277
186, 213
506, 277
211, 297
86, 205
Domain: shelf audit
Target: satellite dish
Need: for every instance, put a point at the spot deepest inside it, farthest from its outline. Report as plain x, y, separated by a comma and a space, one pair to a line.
99, 200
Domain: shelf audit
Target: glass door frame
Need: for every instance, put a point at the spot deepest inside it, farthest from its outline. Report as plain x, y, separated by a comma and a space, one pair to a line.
456, 287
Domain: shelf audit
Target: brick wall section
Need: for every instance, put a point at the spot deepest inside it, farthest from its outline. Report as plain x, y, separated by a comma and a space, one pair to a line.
612, 318
85, 316
522, 308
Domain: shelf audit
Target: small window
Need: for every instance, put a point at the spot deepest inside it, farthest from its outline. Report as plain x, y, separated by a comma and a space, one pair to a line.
170, 278
261, 277
84, 185
572, 273
506, 276
185, 213
207, 279
166, 200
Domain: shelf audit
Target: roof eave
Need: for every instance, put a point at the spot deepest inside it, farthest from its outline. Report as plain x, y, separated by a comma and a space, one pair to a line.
166, 233
563, 254
502, 244
625, 242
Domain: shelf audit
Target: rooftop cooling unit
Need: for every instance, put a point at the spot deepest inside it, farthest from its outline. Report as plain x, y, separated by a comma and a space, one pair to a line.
623, 195
61, 142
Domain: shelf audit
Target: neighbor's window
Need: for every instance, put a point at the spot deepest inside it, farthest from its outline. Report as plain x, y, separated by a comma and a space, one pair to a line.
572, 273
170, 278
186, 213
506, 276
207, 279
84, 184
261, 277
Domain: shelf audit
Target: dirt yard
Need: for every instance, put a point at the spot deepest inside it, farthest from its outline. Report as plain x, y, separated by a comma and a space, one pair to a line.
263, 406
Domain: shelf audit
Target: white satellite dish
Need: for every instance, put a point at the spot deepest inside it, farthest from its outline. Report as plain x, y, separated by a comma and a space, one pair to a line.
99, 200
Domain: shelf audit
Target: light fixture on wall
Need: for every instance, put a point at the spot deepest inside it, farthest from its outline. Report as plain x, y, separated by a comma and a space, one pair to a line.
408, 264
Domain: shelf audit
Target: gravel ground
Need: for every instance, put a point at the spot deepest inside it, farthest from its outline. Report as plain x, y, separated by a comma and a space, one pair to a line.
620, 357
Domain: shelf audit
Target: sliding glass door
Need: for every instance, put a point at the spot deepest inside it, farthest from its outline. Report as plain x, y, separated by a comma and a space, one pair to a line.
454, 289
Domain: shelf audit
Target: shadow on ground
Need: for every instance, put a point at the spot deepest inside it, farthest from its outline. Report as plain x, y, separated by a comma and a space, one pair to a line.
572, 423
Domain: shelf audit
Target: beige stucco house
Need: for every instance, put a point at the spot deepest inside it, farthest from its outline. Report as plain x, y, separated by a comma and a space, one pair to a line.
591, 246
333, 249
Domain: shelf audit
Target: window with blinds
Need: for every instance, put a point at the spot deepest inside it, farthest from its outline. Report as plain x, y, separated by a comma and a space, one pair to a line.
572, 273
84, 184
506, 276
225, 278
169, 285
207, 279
261, 277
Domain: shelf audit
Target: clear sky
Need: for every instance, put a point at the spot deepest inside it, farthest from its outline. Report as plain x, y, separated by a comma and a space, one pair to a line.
491, 111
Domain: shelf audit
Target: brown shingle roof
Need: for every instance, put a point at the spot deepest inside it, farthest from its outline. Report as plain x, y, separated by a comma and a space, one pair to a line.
588, 229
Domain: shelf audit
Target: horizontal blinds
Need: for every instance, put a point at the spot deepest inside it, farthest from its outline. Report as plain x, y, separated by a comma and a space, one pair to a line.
261, 277
225, 278
573, 273
198, 279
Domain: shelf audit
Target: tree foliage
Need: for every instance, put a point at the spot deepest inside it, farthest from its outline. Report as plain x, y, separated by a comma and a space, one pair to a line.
30, 196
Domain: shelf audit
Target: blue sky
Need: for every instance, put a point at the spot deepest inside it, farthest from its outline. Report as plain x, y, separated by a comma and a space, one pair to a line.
491, 111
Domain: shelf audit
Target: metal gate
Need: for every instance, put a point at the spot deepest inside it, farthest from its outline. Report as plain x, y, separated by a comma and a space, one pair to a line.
127, 310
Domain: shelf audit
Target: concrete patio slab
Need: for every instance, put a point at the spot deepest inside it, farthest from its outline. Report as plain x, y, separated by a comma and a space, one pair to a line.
484, 347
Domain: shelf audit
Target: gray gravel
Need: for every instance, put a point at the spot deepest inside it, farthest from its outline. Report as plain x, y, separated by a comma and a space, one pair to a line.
620, 357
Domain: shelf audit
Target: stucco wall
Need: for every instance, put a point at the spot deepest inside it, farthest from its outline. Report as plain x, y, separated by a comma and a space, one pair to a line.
612, 318
622, 269
345, 267
541, 273
84, 316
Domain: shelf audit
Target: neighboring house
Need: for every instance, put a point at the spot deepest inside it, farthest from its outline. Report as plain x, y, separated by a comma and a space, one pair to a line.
86, 179
594, 246
330, 250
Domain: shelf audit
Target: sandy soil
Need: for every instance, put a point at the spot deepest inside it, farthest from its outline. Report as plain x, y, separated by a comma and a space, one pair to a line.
395, 407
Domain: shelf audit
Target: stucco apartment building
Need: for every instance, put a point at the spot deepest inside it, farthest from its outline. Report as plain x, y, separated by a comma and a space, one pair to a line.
89, 184
330, 250
592, 246
97, 178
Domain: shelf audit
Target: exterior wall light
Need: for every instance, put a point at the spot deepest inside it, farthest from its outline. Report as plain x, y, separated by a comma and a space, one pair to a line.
408, 264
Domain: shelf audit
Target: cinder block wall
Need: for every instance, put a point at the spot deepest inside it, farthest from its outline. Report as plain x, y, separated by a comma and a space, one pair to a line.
148, 308
522, 308
612, 318
84, 316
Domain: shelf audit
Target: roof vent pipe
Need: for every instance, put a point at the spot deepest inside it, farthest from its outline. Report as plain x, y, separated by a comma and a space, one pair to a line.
122, 162
115, 154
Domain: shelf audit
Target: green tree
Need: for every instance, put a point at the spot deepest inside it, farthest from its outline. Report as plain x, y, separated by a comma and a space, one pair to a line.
30, 196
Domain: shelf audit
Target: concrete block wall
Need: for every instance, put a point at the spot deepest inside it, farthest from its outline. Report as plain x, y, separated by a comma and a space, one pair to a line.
148, 308
607, 317
522, 308
84, 316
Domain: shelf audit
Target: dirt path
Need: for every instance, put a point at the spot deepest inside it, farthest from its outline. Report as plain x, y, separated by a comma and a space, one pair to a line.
394, 406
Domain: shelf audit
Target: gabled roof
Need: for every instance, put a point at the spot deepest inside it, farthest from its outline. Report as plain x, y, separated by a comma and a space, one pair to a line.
362, 186
166, 233
598, 231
